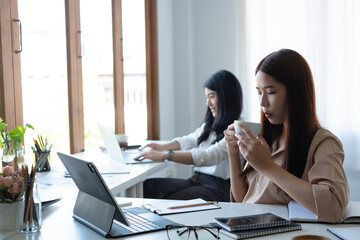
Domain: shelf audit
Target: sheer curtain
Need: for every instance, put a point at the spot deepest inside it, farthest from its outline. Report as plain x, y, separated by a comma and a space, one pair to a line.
327, 34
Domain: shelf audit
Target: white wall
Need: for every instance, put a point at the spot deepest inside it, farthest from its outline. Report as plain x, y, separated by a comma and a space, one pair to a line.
196, 39
199, 37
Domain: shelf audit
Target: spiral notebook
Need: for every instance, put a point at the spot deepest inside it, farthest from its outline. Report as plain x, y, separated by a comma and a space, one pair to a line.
259, 232
247, 222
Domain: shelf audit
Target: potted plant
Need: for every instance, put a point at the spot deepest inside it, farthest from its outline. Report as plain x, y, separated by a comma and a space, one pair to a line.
11, 142
11, 198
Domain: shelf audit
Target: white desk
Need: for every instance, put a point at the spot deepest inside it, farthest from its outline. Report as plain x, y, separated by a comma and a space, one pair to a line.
131, 182
59, 224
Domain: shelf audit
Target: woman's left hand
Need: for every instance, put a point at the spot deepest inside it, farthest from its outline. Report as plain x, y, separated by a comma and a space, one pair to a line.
254, 149
231, 139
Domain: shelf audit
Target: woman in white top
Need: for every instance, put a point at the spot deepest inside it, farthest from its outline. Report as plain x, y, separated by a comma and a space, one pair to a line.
204, 148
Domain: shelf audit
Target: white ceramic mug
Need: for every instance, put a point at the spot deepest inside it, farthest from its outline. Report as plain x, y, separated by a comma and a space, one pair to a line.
255, 128
121, 138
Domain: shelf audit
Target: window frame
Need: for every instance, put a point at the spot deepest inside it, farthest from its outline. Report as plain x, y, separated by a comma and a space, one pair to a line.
152, 70
10, 69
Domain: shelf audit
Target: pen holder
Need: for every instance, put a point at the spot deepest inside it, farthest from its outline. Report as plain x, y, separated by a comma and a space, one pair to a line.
32, 212
42, 161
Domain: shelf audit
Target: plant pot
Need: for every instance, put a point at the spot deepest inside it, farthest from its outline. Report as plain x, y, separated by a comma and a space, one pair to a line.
11, 216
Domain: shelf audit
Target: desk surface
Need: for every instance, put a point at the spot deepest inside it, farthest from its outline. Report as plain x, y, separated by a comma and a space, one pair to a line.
120, 182
59, 224
116, 182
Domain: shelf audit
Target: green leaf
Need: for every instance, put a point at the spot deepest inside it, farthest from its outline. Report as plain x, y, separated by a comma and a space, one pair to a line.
30, 126
17, 133
3, 126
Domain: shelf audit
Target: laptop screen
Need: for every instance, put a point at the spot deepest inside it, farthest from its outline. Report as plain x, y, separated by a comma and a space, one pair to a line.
110, 142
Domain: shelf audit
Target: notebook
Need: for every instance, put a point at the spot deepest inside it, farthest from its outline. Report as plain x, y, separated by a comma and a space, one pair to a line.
346, 233
259, 232
114, 150
263, 220
182, 206
300, 214
49, 197
96, 207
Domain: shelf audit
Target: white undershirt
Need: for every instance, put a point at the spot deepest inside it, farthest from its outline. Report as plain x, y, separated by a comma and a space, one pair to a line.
208, 158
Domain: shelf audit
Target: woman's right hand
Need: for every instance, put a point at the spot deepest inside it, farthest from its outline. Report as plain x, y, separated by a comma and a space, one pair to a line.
153, 155
153, 146
231, 140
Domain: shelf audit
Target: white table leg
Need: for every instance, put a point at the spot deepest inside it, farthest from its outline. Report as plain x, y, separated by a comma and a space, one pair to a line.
139, 190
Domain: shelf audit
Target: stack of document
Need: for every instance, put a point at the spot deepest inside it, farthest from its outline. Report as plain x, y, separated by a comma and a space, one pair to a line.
181, 206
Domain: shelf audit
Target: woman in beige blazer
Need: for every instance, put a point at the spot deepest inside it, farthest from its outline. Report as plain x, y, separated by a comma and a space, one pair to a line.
293, 158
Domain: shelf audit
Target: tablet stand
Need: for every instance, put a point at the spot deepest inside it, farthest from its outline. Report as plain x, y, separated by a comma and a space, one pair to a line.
94, 213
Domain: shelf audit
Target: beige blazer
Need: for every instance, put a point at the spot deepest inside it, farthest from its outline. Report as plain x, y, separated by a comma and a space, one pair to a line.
324, 170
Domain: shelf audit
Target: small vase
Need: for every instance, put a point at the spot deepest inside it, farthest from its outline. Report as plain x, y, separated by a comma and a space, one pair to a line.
7, 156
12, 157
11, 215
32, 208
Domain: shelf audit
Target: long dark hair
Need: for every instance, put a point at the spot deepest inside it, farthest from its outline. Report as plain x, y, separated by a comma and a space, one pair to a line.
229, 106
291, 69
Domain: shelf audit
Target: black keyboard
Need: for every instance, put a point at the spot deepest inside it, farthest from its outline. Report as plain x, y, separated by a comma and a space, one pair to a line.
137, 224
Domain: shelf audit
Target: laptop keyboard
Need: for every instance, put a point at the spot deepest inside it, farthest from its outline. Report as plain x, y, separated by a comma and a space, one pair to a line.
137, 224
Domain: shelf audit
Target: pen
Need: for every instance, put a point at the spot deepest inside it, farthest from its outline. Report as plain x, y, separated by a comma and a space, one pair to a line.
191, 205
40, 142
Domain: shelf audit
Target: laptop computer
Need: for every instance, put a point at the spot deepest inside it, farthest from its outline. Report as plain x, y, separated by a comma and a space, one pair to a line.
114, 150
97, 208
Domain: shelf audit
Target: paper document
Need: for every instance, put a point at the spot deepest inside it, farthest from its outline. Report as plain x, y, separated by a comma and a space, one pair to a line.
346, 233
49, 197
181, 206
298, 213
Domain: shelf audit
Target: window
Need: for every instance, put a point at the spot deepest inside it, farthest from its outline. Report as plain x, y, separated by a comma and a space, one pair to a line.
97, 68
134, 69
43, 71
54, 64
